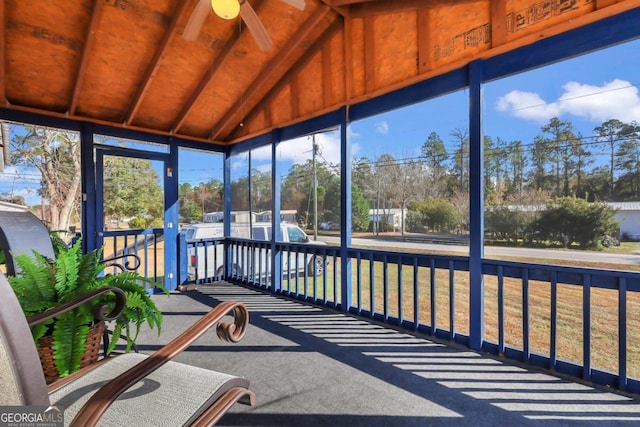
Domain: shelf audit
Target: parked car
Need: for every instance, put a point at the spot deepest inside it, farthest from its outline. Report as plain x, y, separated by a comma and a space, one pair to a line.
206, 256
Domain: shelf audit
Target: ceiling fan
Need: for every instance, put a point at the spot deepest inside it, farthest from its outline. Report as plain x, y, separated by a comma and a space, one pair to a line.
230, 9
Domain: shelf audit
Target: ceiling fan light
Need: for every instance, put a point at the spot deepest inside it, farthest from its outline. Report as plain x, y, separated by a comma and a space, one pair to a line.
226, 9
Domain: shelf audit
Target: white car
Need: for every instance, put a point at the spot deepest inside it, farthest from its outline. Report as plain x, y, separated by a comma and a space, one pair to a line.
206, 257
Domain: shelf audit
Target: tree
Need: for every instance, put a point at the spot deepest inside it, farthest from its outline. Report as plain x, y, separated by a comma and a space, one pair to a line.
359, 206
628, 161
55, 154
572, 220
609, 133
435, 154
505, 223
435, 215
132, 189
461, 157
516, 163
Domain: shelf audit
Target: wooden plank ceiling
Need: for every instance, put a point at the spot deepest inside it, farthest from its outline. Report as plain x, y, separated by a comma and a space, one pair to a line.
125, 63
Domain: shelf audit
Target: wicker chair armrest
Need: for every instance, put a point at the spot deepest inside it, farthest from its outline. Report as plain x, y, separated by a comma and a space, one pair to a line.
128, 262
93, 409
99, 310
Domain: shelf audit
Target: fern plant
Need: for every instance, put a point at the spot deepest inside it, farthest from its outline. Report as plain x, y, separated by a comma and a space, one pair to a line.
43, 283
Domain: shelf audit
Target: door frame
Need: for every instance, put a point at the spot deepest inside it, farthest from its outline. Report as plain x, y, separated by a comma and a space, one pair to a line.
169, 182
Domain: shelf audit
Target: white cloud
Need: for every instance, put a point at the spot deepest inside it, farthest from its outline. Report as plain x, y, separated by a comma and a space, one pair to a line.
617, 99
382, 128
526, 105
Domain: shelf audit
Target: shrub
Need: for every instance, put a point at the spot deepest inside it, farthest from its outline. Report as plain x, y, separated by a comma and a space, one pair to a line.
570, 220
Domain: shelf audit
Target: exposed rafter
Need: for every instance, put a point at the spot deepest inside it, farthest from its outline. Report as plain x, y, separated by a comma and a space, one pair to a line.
152, 69
367, 8
330, 32
294, 42
84, 57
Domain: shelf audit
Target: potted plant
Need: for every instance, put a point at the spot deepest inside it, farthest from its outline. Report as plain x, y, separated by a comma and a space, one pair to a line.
42, 284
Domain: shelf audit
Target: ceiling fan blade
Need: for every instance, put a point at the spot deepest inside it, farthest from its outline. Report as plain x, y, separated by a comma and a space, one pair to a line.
196, 20
298, 4
254, 25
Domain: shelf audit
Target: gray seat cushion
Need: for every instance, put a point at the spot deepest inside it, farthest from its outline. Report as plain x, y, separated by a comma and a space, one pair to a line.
145, 404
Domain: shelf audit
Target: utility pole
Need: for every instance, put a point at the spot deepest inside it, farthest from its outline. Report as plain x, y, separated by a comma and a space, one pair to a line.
315, 189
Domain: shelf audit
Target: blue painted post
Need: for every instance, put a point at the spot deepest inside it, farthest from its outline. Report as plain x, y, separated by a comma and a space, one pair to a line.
87, 167
227, 212
476, 207
345, 212
171, 218
276, 234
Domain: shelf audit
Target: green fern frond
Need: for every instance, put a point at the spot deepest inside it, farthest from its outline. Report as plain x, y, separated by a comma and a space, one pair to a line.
69, 337
117, 331
33, 283
40, 330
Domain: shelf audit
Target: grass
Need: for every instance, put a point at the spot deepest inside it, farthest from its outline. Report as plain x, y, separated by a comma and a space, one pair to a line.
569, 341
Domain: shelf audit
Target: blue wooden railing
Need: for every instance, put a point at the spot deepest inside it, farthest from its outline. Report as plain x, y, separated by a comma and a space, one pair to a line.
429, 294
147, 244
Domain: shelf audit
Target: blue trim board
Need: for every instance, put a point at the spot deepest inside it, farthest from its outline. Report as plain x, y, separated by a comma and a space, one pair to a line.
432, 88
39, 119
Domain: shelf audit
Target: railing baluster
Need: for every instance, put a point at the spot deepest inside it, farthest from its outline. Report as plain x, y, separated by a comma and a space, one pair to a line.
325, 265
416, 294
335, 280
553, 345
359, 281
525, 316
400, 314
432, 278
372, 285
622, 332
385, 287
586, 318
500, 311
452, 303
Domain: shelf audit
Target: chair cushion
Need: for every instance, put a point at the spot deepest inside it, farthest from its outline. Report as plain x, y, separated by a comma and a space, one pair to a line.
145, 403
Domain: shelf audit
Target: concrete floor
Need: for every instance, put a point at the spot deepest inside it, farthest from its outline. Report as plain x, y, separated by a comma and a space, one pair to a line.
315, 367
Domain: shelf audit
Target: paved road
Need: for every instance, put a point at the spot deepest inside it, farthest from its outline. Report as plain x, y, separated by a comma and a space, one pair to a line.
500, 252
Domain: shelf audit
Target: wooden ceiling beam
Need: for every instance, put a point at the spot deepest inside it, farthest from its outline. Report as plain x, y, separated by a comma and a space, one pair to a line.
294, 98
361, 9
209, 75
498, 22
84, 57
3, 48
326, 74
424, 44
338, 3
267, 71
154, 65
348, 59
369, 54
331, 31
339, 10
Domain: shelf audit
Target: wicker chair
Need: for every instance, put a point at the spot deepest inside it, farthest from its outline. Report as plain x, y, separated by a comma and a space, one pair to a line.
129, 389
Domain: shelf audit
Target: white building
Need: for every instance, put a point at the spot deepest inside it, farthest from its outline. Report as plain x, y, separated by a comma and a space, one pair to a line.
628, 213
392, 217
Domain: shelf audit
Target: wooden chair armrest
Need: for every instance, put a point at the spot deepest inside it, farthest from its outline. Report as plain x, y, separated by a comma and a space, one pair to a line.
93, 409
99, 310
